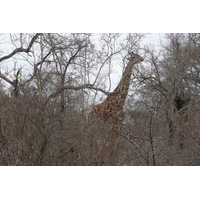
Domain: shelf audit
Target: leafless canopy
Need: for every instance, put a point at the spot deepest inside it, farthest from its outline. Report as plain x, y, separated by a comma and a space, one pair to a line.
50, 82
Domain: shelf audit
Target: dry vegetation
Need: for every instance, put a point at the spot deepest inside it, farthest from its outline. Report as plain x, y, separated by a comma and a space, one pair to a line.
48, 83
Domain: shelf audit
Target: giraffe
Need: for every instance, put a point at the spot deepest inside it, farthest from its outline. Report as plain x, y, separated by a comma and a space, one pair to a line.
109, 113
112, 107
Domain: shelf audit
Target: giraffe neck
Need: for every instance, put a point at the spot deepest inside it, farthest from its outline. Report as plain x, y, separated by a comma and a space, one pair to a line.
121, 91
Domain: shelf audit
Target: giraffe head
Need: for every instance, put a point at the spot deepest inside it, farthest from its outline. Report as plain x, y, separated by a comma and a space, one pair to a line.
135, 58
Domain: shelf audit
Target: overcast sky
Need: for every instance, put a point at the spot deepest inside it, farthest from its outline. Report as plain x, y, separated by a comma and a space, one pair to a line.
152, 39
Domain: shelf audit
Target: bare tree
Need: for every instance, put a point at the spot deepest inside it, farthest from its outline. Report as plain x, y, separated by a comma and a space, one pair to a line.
55, 79
167, 81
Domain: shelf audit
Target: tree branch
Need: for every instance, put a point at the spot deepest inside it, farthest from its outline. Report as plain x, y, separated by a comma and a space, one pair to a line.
20, 49
86, 86
6, 79
35, 67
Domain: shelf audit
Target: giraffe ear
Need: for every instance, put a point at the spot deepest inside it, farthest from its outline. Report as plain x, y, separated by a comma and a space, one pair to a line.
132, 54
